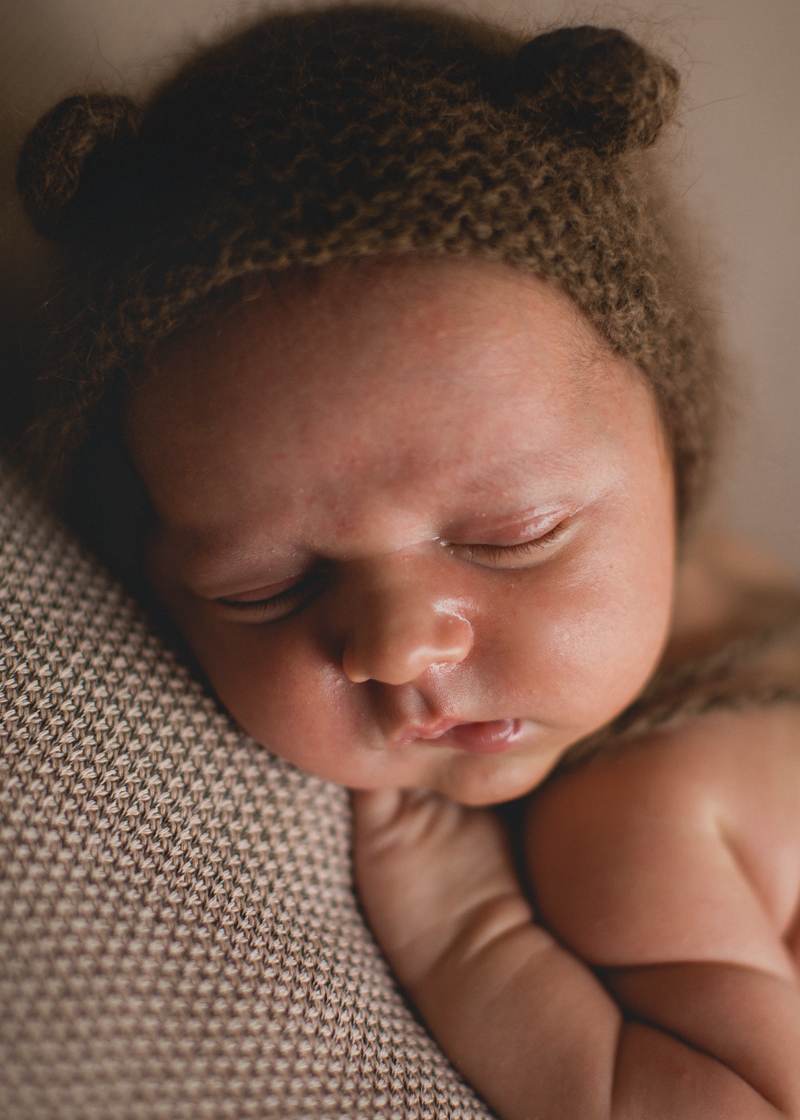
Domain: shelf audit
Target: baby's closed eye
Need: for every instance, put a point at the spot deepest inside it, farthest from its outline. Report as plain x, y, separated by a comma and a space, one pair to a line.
275, 601
510, 555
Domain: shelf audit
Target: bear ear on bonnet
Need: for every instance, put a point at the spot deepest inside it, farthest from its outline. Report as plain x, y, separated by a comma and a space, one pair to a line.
588, 86
597, 86
72, 160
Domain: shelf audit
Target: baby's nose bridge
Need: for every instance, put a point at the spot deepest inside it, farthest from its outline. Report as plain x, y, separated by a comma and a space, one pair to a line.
403, 616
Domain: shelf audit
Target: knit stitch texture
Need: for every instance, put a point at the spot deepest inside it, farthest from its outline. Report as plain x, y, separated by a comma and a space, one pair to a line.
359, 131
178, 932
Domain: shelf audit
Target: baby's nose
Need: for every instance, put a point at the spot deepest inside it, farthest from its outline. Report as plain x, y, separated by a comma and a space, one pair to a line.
400, 625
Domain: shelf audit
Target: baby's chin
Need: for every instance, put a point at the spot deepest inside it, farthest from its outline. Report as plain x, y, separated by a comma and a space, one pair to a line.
471, 779
490, 781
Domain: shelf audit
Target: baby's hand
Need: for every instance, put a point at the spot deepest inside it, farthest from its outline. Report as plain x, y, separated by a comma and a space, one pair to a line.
525, 1019
438, 885
436, 879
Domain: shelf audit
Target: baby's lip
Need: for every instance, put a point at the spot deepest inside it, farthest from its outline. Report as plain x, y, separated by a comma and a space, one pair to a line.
414, 731
476, 737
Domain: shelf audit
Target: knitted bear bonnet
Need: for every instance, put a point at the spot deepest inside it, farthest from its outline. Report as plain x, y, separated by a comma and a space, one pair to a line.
355, 131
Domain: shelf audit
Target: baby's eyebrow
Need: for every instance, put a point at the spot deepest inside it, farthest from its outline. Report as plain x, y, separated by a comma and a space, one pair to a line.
536, 470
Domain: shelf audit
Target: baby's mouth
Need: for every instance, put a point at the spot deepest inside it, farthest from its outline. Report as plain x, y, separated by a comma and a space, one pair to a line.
485, 737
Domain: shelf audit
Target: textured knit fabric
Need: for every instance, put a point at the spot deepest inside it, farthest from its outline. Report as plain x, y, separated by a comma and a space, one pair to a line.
356, 132
178, 932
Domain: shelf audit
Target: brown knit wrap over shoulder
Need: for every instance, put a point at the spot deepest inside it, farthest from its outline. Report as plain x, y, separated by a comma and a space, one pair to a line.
178, 932
362, 131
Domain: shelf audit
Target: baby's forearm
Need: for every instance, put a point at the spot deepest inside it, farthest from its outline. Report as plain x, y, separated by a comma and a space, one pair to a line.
524, 1021
527, 1022
539, 1036
747, 1019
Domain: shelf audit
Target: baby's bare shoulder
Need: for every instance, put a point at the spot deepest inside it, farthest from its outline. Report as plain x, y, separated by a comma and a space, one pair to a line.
684, 845
745, 761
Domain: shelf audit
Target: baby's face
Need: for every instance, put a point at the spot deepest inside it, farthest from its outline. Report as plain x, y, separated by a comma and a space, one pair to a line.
414, 521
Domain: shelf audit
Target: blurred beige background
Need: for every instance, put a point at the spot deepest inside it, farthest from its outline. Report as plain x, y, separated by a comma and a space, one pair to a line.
738, 156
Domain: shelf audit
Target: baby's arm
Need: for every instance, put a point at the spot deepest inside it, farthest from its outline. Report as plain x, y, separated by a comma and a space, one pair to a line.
641, 863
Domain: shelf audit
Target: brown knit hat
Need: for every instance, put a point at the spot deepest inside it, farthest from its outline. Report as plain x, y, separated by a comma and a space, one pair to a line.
356, 131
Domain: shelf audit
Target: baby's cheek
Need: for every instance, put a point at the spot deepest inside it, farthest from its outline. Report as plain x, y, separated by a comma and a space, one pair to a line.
295, 701
281, 694
594, 648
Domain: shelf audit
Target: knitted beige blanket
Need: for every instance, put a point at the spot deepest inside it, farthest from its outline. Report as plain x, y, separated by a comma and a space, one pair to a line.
178, 932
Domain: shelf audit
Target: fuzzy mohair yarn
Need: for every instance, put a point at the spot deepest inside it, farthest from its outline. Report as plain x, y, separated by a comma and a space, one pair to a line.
358, 131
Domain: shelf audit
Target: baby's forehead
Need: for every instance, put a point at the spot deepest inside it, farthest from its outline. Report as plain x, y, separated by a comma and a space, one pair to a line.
386, 342
418, 384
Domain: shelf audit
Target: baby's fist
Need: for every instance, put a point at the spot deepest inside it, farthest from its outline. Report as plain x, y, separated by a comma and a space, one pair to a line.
436, 880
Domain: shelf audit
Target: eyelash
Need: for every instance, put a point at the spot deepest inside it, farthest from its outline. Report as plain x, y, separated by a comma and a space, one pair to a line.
491, 552
288, 598
498, 552
281, 600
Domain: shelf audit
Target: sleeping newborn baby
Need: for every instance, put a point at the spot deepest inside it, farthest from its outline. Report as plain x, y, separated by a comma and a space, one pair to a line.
394, 586
380, 368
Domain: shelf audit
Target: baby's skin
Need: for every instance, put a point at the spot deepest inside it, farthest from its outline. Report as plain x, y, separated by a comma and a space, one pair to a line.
658, 975
415, 521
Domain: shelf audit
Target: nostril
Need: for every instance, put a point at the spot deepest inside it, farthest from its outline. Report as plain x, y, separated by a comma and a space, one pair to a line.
352, 669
